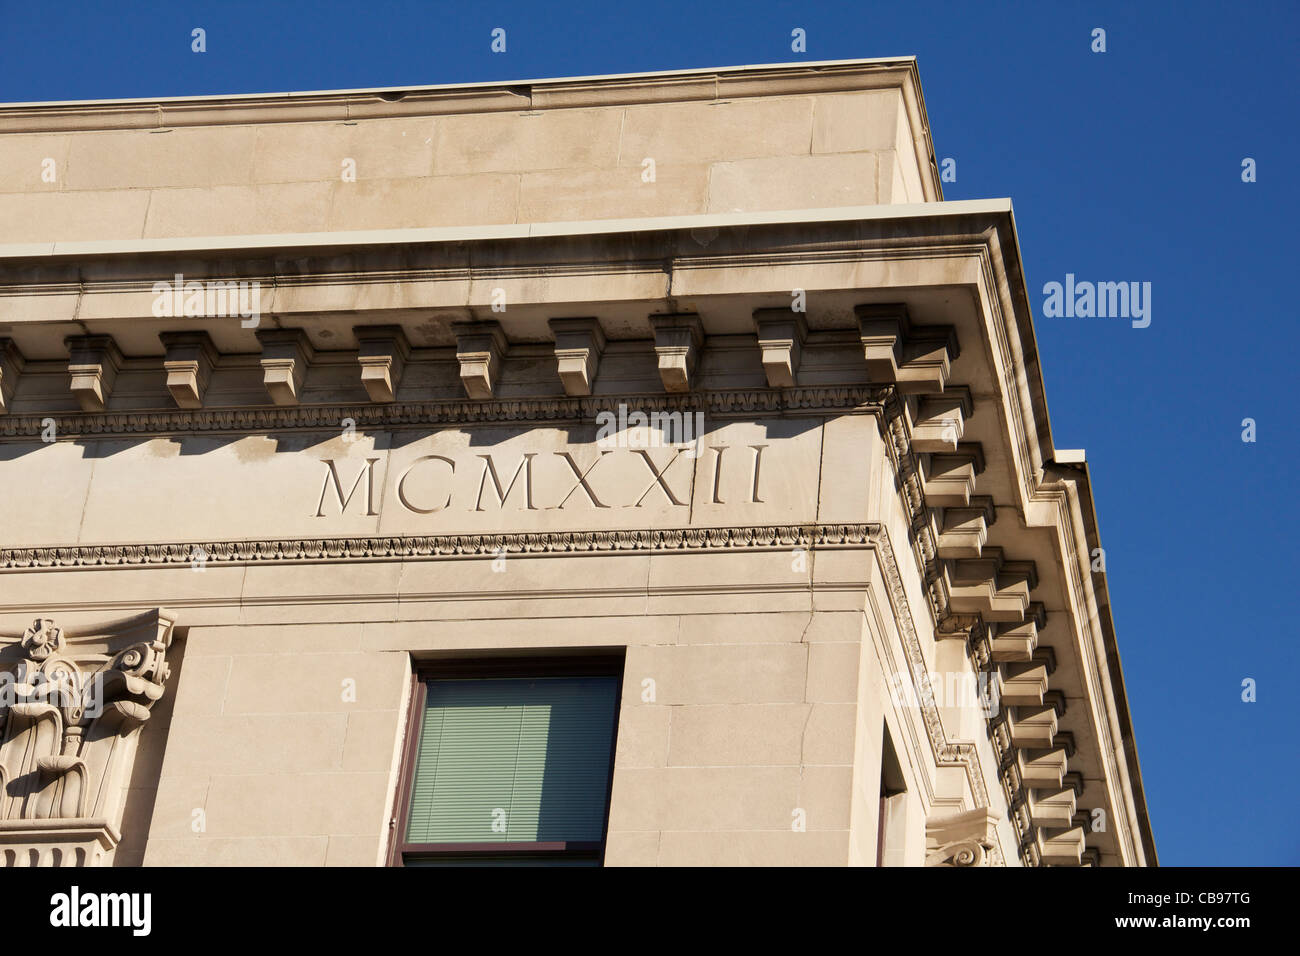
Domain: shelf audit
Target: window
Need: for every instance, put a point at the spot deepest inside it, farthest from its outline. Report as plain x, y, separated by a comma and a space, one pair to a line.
891, 830
509, 763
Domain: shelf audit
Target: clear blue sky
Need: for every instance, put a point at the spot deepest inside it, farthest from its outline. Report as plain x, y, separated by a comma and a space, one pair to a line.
1122, 166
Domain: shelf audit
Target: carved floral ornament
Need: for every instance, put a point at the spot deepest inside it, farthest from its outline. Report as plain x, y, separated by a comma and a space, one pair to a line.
71, 710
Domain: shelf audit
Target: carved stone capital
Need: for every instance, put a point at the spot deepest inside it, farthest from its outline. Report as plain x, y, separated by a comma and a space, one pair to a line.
48, 843
71, 705
961, 839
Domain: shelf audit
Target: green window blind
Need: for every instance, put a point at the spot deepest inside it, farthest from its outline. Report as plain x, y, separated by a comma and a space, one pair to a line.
514, 760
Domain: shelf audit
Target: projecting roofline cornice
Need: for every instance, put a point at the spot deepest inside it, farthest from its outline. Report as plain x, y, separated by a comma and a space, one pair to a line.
283, 244
735, 263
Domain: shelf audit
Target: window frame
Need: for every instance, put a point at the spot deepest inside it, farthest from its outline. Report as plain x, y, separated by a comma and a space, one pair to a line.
587, 665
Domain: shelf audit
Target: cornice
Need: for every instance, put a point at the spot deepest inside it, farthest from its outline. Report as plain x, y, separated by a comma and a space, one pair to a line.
262, 246
1065, 498
1012, 366
1021, 406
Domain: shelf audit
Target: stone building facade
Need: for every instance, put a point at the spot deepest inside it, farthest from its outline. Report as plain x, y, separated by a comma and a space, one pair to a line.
637, 470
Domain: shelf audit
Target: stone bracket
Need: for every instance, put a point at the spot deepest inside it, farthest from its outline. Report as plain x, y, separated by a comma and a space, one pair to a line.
189, 363
964, 530
93, 363
1042, 768
1016, 642
1065, 740
948, 480
915, 358
1025, 683
1060, 849
678, 339
1051, 807
480, 348
975, 586
286, 354
382, 356
1032, 727
579, 344
940, 421
781, 335
995, 589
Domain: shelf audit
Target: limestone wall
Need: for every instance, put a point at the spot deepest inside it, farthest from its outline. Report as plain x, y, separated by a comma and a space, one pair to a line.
460, 157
